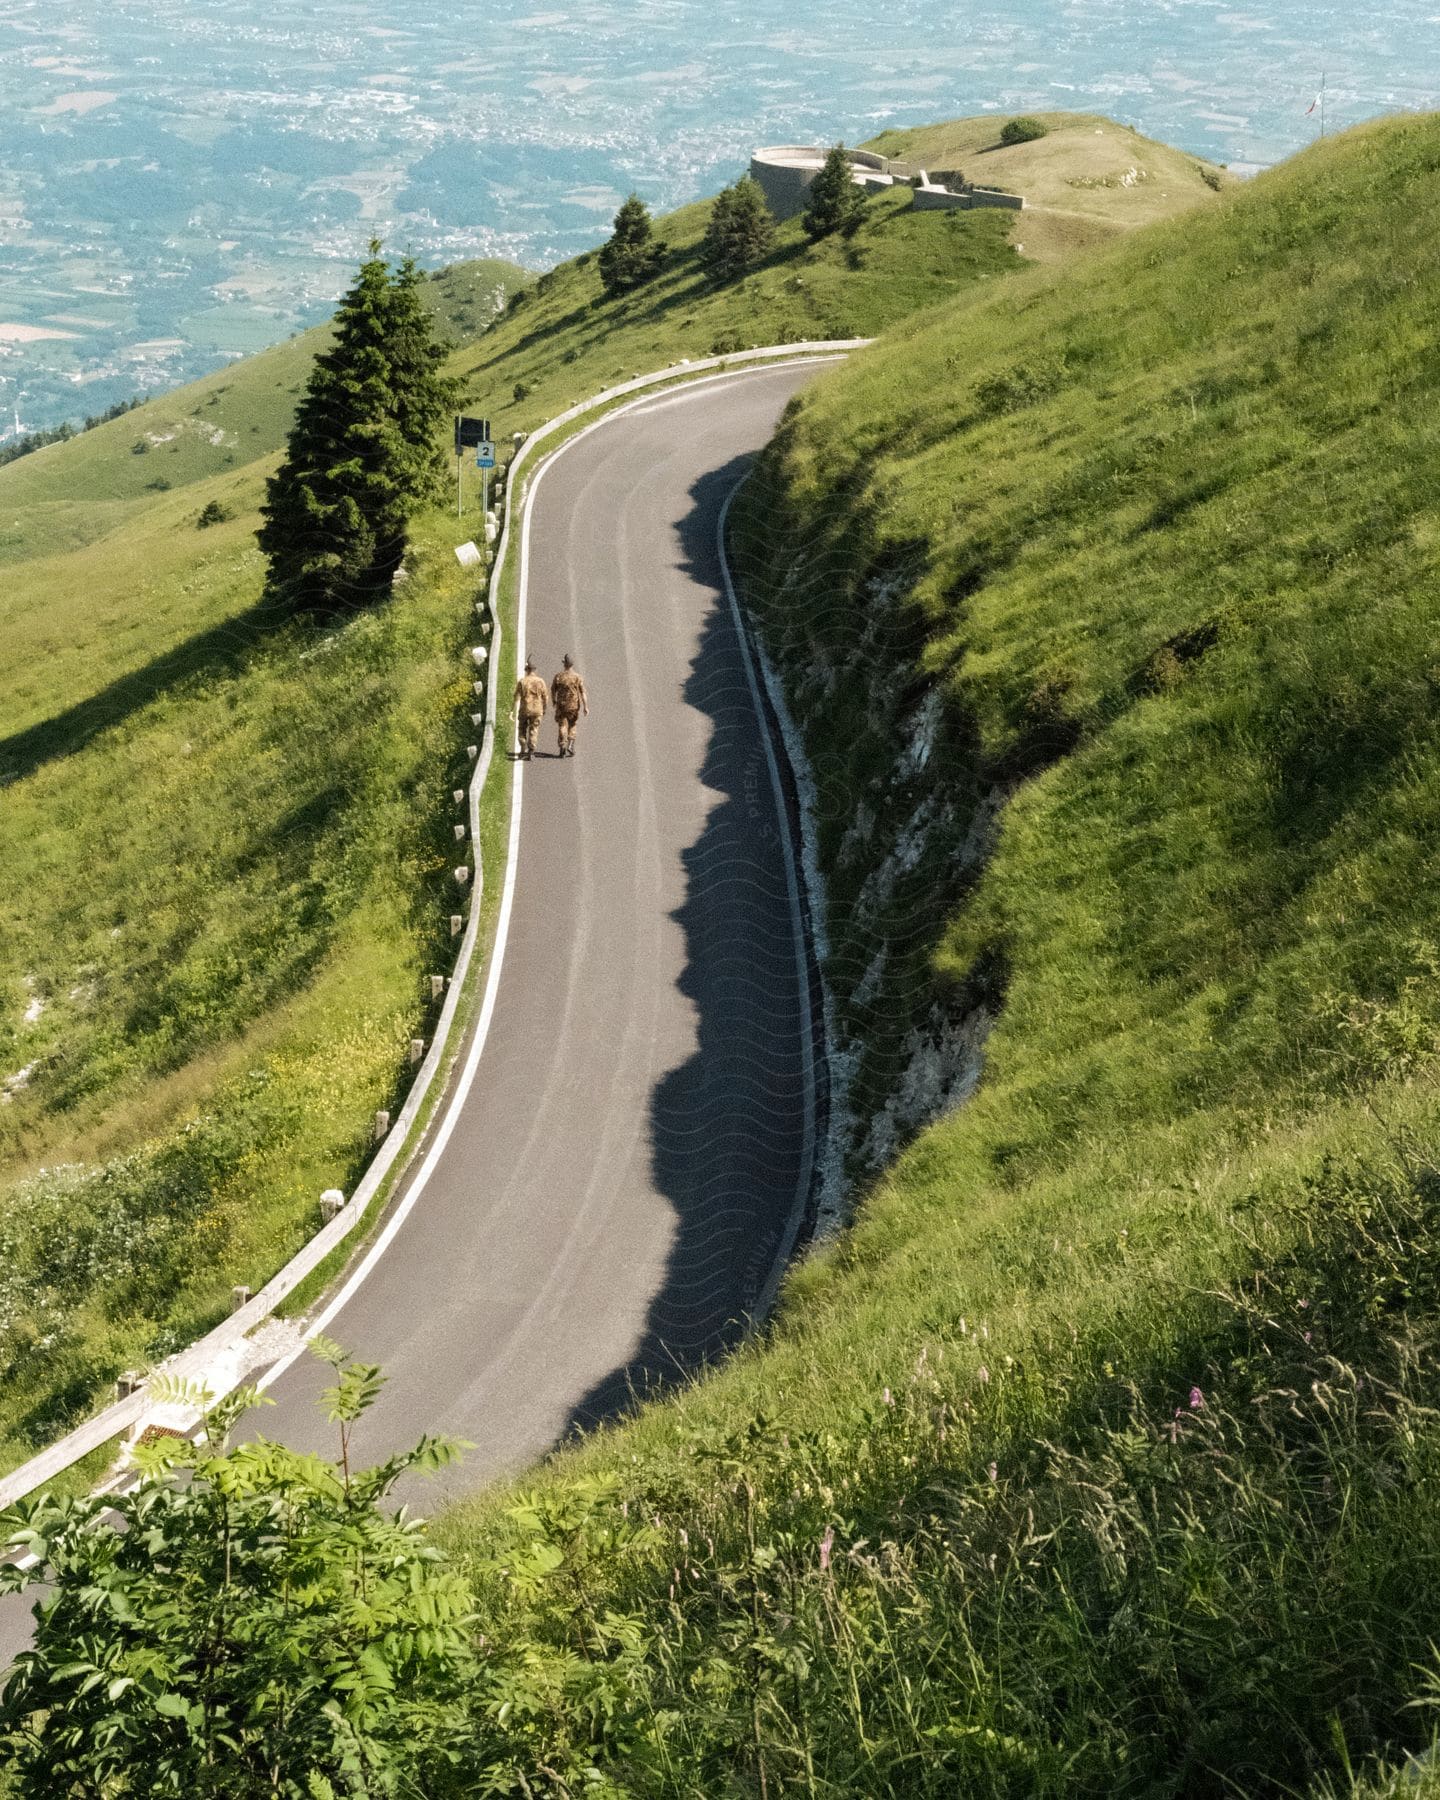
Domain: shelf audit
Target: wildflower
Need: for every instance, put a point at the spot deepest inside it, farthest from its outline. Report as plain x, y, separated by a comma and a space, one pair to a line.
993, 1472
827, 1544
889, 1398
982, 1373
1308, 1336
1197, 1400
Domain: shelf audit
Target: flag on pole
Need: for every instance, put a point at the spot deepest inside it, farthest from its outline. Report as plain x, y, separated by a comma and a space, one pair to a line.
1311, 107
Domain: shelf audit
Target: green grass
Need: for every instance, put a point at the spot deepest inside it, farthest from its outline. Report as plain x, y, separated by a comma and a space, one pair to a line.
1100, 1456
227, 838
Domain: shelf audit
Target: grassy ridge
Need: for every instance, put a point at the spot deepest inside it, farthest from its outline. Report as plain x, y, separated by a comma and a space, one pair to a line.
1100, 1456
227, 837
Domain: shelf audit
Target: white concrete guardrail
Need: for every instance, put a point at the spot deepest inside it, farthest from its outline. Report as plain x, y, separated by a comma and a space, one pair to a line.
220, 1360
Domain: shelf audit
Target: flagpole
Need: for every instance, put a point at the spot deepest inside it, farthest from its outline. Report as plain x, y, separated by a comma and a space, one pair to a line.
1323, 79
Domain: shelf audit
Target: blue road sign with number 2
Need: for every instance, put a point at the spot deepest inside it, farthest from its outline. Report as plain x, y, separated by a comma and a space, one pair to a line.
484, 456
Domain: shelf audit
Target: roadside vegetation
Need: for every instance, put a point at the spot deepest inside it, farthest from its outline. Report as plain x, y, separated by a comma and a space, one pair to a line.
1100, 1455
227, 829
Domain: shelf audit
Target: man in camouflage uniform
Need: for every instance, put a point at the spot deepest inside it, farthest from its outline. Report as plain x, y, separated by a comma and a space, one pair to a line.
567, 695
530, 700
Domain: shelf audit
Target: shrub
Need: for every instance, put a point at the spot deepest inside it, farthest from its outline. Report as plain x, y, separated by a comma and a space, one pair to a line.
214, 512
255, 1624
1019, 386
1022, 131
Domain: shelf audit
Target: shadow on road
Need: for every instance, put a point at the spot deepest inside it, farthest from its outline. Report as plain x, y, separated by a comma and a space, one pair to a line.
727, 1127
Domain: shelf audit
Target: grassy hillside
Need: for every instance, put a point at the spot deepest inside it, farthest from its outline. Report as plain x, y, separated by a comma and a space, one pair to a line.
102, 567
1086, 180
1100, 1456
227, 838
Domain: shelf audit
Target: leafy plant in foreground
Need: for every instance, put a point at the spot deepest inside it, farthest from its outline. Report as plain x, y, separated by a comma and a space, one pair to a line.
243, 1620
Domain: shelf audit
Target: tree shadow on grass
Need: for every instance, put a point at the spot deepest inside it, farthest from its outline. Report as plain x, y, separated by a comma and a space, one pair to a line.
222, 650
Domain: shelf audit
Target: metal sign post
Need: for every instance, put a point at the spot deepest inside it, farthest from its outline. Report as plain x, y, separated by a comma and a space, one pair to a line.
469, 433
485, 462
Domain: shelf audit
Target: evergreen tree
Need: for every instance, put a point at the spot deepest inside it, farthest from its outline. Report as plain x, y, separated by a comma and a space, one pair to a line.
740, 231
633, 253
364, 450
425, 398
835, 201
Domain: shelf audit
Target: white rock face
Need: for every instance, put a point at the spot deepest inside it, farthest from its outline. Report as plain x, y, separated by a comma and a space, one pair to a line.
16, 1083
906, 817
942, 1070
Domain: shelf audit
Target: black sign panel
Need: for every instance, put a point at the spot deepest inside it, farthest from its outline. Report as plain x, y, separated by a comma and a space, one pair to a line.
470, 432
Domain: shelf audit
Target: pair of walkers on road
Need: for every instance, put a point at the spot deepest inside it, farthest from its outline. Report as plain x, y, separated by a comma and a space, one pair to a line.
566, 694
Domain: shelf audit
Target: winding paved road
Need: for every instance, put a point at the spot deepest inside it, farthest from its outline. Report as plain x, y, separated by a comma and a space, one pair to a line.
626, 1166
607, 1201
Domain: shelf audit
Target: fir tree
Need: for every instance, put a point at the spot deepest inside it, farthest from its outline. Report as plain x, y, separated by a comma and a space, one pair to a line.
364, 450
633, 253
425, 399
740, 230
835, 201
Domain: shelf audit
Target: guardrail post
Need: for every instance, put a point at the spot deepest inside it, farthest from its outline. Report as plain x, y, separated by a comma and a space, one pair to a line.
437, 986
331, 1202
239, 1296
382, 1124
457, 924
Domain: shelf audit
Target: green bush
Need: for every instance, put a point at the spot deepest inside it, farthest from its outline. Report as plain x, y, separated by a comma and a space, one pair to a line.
241, 1621
1022, 131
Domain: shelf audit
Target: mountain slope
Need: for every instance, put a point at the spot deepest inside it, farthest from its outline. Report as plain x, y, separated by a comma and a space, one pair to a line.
1099, 1456
228, 837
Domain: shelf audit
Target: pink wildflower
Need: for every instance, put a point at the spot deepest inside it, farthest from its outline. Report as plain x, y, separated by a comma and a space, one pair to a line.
982, 1373
827, 1544
1197, 1400
993, 1472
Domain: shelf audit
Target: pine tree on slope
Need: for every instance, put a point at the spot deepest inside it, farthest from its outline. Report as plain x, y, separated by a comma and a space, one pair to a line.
425, 399
633, 253
740, 230
835, 201
364, 450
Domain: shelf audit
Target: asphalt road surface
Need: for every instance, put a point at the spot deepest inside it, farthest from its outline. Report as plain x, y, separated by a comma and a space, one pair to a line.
629, 1159
621, 1175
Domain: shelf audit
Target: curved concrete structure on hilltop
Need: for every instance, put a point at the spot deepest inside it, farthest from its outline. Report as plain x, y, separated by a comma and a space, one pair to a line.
785, 172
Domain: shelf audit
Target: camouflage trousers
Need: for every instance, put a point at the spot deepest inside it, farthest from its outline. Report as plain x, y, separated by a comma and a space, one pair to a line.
565, 723
529, 728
